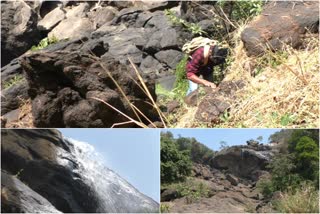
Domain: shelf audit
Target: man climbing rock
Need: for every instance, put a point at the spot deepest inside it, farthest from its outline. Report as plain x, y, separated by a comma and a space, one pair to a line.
201, 63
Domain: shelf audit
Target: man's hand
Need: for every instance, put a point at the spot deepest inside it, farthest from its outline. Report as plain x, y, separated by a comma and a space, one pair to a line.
210, 84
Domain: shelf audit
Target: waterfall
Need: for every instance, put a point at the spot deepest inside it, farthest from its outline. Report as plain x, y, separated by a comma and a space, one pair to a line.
114, 193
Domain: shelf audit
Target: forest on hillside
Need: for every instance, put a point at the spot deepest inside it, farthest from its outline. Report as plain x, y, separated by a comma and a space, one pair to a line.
288, 182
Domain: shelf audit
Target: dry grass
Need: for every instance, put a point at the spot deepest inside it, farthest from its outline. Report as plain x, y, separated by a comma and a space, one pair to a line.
284, 94
25, 119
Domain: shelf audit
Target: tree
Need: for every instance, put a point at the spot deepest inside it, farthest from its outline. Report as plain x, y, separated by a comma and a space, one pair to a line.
307, 153
175, 165
260, 138
223, 145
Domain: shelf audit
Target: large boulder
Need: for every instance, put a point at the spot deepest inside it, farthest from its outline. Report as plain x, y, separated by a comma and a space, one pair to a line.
18, 29
51, 20
242, 161
281, 23
72, 28
63, 85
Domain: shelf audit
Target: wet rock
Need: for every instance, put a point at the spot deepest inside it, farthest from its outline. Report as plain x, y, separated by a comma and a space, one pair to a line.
18, 29
16, 197
281, 23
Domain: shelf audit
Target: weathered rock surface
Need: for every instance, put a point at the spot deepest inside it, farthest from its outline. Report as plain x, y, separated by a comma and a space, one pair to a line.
18, 29
216, 102
51, 20
242, 161
281, 23
72, 28
62, 86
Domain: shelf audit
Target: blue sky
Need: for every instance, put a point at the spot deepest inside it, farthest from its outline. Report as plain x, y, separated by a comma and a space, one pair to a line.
132, 153
212, 137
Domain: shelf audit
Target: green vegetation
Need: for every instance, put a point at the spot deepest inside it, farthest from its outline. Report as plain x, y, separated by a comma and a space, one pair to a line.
195, 29
198, 152
164, 208
191, 189
17, 78
241, 10
295, 171
175, 164
45, 43
181, 85
177, 157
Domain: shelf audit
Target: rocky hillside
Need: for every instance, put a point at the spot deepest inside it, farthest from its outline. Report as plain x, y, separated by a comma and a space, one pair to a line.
229, 182
96, 64
43, 173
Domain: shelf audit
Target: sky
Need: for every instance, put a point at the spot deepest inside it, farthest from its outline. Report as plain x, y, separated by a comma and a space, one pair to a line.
134, 154
212, 137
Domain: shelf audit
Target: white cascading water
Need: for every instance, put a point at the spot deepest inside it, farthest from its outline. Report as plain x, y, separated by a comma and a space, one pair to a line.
115, 194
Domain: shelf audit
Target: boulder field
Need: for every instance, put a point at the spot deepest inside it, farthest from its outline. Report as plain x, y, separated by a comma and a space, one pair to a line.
95, 39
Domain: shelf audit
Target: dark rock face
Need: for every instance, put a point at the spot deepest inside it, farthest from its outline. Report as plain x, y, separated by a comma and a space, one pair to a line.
18, 29
42, 172
281, 23
32, 155
215, 103
242, 161
169, 194
62, 85
17, 197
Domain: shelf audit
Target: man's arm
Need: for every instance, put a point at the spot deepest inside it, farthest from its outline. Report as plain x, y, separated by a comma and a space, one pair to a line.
194, 78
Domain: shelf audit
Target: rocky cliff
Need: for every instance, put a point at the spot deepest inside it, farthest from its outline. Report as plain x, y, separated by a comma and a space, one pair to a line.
230, 180
43, 172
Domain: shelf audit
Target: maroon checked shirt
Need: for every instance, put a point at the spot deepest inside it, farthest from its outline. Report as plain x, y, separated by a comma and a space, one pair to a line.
195, 65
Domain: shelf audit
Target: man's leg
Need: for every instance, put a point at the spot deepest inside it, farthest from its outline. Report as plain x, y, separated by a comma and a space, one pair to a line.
192, 87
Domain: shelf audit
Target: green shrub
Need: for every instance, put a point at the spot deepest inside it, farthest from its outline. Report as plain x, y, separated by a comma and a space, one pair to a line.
241, 10
192, 190
302, 200
195, 29
45, 43
181, 84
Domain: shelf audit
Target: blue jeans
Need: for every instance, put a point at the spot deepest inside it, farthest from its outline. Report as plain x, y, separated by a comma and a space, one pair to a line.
194, 86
